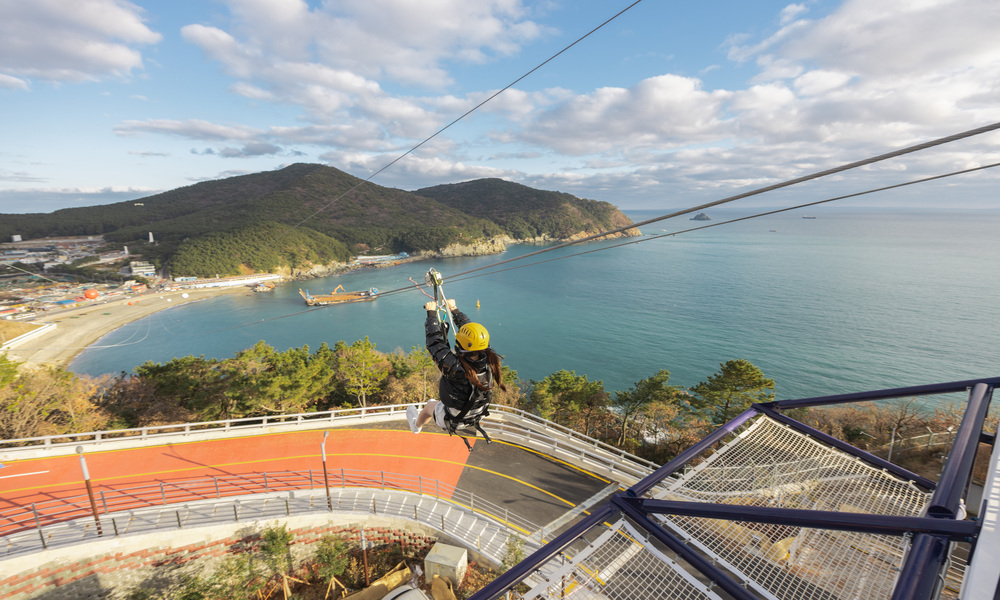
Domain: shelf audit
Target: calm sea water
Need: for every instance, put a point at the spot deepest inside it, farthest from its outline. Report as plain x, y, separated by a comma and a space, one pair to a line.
845, 302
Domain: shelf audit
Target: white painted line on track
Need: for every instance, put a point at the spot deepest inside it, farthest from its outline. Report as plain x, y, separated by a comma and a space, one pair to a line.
23, 474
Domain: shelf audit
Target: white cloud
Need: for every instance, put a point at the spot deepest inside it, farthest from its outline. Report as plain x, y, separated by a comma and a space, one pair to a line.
290, 52
251, 91
814, 83
901, 37
192, 128
792, 12
402, 40
409, 41
868, 77
818, 91
13, 83
82, 40
660, 111
251, 149
415, 172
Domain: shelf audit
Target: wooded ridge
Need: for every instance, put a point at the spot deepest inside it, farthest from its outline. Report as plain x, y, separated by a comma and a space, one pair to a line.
221, 227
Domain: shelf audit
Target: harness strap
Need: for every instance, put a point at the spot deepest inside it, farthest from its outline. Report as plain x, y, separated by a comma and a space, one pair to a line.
452, 428
470, 403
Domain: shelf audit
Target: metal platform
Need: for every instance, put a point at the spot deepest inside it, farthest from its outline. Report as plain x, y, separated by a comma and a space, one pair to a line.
768, 507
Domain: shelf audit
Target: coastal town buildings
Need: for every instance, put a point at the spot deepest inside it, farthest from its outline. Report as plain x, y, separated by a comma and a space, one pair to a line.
31, 287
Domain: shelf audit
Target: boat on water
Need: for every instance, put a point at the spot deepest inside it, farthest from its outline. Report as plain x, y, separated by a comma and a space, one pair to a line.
808, 217
335, 298
263, 286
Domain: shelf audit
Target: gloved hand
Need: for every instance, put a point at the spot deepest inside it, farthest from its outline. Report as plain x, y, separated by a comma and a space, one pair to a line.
433, 305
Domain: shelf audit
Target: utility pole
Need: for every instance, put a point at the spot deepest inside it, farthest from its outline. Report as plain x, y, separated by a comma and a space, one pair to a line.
90, 488
892, 442
326, 478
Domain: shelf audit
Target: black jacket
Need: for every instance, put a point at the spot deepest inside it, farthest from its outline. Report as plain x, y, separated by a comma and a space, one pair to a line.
455, 389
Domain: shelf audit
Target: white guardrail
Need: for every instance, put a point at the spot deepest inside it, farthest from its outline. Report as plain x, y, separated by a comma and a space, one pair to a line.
146, 509
504, 423
256, 496
27, 336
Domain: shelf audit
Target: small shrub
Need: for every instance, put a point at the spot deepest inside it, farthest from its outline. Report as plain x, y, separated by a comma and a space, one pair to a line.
513, 552
274, 549
331, 558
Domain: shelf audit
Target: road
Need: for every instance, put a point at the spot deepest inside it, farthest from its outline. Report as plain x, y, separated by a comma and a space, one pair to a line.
527, 483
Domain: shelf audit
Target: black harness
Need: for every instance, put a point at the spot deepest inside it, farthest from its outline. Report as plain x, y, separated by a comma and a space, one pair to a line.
471, 411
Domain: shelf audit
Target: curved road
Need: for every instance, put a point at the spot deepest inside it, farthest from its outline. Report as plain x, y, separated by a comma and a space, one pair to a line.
536, 487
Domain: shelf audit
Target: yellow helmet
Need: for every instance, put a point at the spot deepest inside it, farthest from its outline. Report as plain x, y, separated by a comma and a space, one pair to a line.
472, 337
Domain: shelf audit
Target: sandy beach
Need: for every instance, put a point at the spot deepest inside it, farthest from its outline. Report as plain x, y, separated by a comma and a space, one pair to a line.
78, 328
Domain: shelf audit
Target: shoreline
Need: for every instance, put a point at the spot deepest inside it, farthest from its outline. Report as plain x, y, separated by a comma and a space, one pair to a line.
79, 328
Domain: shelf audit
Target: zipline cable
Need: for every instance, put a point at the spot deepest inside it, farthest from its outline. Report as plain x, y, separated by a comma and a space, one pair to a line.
461, 277
469, 112
467, 274
758, 191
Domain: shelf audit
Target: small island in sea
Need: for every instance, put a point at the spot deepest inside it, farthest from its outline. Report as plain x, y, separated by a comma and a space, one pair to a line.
701, 217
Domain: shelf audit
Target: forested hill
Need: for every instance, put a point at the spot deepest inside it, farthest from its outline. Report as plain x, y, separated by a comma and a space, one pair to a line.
525, 212
339, 215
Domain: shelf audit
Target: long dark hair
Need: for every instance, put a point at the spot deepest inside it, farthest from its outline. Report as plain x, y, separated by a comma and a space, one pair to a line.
494, 361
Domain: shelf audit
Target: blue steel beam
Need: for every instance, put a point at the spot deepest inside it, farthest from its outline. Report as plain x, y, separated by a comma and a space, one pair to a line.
814, 519
928, 550
651, 480
903, 392
881, 463
918, 579
958, 468
921, 574
696, 560
520, 571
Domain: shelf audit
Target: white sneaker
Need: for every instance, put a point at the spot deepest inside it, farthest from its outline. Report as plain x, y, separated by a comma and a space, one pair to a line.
411, 418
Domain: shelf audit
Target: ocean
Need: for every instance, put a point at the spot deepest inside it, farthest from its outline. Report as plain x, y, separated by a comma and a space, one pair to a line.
848, 301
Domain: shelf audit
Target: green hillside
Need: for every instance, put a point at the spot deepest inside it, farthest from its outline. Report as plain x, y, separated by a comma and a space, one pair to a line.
525, 212
313, 213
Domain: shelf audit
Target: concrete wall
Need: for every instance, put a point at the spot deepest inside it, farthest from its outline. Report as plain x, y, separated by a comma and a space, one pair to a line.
115, 568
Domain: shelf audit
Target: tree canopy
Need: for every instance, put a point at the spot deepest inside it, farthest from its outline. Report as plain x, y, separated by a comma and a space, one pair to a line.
732, 389
568, 398
639, 401
361, 368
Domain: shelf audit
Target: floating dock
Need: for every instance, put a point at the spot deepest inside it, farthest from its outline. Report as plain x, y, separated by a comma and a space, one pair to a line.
335, 298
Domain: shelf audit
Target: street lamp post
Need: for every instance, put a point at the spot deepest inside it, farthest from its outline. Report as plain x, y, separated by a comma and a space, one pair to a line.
90, 488
892, 443
863, 432
326, 478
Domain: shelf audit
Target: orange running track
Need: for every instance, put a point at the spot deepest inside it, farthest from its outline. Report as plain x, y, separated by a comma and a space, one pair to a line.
41, 480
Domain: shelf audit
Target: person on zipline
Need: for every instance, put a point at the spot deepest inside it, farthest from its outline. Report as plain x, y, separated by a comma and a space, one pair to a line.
468, 375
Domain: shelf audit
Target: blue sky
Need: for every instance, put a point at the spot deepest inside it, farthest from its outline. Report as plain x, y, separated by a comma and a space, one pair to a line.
671, 104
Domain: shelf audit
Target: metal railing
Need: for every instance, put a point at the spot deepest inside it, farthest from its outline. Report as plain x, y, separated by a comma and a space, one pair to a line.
260, 496
300, 420
121, 511
504, 422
